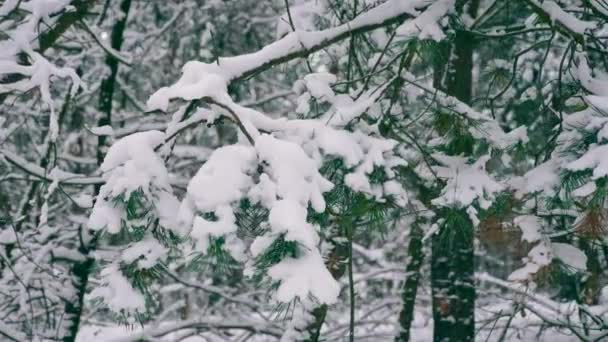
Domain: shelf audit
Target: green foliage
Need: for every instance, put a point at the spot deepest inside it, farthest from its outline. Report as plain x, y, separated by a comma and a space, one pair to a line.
501, 209
277, 251
216, 259
454, 226
455, 131
251, 218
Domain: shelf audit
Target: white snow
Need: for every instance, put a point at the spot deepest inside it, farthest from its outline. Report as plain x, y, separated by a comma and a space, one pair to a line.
465, 182
117, 292
130, 165
146, 253
303, 275
220, 183
541, 255
426, 25
557, 14
570, 255
531, 227
102, 130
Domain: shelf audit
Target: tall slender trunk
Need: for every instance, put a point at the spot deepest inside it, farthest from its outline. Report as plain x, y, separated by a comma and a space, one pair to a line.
452, 280
410, 287
108, 84
452, 259
82, 270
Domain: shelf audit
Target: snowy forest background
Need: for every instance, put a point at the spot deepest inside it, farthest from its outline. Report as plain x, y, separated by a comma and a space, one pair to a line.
303, 170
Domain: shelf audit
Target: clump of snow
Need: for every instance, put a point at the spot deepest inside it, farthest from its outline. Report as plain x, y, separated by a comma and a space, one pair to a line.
146, 252
223, 226
570, 255
117, 292
219, 184
557, 14
7, 236
224, 178
343, 108
544, 253
594, 159
305, 275
427, 24
302, 17
295, 174
198, 80
131, 165
465, 182
541, 255
585, 190
543, 178
530, 226
294, 181
84, 200
102, 130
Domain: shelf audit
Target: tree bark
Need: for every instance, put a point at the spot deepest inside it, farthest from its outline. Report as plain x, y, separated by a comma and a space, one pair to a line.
452, 280
453, 259
82, 270
410, 287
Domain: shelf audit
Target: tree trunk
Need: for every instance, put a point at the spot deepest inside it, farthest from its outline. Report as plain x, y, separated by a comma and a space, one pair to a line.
410, 287
453, 259
81, 270
108, 84
452, 280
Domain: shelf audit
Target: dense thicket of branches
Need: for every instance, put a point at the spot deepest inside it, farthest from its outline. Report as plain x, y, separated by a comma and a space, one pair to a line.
303, 170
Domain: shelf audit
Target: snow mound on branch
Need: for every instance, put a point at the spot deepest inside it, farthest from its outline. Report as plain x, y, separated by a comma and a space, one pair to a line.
541, 255
530, 226
557, 14
223, 226
293, 181
465, 182
198, 80
302, 276
224, 178
594, 158
146, 252
218, 185
543, 178
130, 165
303, 16
426, 25
570, 255
544, 253
295, 174
117, 292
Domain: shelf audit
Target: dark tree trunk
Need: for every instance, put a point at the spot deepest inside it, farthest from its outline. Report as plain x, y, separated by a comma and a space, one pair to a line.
410, 287
452, 280
453, 259
82, 270
108, 84
73, 309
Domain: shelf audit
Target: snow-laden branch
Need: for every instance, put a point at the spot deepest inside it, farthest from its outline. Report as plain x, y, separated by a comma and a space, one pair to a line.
485, 127
565, 23
198, 324
107, 48
39, 172
300, 44
11, 334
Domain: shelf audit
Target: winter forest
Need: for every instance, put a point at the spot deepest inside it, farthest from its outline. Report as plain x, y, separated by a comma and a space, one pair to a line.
304, 170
